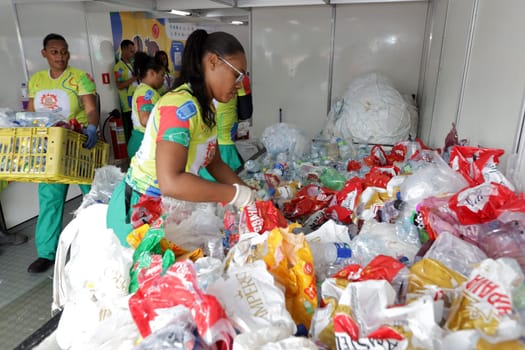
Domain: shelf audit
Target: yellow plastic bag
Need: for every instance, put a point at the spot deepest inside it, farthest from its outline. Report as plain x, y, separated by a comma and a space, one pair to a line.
290, 261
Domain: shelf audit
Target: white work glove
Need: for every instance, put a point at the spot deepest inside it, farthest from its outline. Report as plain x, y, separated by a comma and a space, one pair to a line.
243, 196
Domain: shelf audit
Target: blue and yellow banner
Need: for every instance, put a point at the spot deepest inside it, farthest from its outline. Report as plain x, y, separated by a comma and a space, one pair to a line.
151, 35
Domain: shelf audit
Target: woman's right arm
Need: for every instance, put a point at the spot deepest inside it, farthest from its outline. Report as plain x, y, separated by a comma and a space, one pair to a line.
175, 182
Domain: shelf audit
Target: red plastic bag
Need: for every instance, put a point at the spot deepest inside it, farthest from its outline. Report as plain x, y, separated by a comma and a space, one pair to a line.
146, 211
260, 217
308, 200
178, 286
472, 161
480, 204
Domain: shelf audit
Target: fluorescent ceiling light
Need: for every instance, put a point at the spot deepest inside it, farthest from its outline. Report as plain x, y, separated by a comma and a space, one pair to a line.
180, 13
237, 23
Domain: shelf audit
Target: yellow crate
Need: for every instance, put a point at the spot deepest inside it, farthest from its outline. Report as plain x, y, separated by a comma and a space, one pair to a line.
53, 155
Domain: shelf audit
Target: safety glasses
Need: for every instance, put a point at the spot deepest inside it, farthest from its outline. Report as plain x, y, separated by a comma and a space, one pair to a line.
240, 77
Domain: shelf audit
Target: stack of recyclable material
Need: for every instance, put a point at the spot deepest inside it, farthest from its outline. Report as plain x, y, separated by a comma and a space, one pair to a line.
363, 247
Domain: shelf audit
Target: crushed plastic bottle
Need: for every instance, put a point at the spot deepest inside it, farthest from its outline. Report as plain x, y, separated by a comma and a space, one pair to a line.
329, 257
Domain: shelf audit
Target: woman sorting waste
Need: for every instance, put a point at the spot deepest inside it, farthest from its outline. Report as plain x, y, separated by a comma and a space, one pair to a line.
181, 135
150, 73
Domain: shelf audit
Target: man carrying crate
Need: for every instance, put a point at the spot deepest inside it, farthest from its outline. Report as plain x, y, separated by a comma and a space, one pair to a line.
68, 92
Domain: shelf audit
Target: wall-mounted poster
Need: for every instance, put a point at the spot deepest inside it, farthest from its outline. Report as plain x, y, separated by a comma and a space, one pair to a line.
151, 35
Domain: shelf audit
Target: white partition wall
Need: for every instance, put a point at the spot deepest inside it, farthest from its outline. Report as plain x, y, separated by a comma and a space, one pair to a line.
490, 113
290, 57
383, 38
481, 76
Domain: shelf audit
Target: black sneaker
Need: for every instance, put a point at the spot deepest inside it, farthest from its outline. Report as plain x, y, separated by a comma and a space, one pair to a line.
40, 265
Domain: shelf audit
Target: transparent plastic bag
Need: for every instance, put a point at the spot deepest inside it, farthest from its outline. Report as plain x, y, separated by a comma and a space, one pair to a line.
455, 253
284, 138
104, 182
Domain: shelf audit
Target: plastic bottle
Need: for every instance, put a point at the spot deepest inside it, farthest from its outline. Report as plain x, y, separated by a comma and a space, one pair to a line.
327, 255
252, 166
24, 96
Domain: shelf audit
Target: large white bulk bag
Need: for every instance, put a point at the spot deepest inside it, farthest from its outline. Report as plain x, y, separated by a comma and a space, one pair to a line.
372, 111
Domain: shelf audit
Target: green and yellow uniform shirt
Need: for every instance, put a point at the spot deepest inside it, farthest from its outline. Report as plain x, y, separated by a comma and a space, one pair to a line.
144, 98
123, 72
227, 121
62, 95
175, 118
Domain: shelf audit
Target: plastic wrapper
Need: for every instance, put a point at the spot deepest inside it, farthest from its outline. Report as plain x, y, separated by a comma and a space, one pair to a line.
330, 231
332, 179
486, 302
481, 203
178, 286
251, 299
381, 238
455, 253
478, 165
147, 210
431, 179
290, 261
271, 338
196, 230
284, 138
308, 200
150, 242
507, 240
431, 277
260, 217
104, 182
179, 333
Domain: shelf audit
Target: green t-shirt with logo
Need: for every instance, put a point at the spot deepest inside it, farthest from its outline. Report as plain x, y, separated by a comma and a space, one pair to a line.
62, 95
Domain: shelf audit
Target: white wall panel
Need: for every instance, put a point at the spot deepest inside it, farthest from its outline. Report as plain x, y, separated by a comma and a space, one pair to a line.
384, 38
451, 70
290, 57
495, 83
102, 55
20, 200
68, 19
12, 68
429, 69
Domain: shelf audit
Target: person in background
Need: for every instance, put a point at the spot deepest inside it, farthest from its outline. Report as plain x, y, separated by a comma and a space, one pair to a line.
181, 135
126, 83
240, 107
162, 57
150, 73
68, 92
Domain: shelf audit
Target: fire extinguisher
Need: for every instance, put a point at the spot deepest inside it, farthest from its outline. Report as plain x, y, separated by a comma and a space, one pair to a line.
118, 138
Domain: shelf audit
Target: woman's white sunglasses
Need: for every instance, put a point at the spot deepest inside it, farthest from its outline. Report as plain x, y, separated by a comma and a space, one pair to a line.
240, 77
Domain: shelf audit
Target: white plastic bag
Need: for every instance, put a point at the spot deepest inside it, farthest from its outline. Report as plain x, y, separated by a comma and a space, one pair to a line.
251, 298
89, 286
